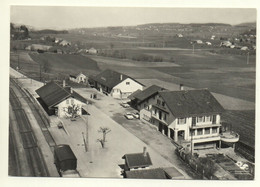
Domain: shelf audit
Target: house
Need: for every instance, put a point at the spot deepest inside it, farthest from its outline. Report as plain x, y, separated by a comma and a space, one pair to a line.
199, 41
115, 84
64, 43
139, 99
180, 35
245, 48
80, 78
92, 50
208, 43
64, 158
35, 47
187, 116
137, 161
225, 44
57, 99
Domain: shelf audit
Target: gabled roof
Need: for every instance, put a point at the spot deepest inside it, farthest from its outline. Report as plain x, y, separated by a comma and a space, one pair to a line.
156, 173
64, 152
188, 103
148, 92
110, 78
137, 160
52, 94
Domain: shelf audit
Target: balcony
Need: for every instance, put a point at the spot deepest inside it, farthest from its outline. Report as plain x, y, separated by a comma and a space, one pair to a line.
230, 137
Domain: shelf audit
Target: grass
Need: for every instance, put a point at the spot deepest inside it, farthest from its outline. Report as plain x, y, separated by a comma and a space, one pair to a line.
66, 63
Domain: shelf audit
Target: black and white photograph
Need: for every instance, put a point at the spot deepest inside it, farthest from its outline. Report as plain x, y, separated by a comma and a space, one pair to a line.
132, 92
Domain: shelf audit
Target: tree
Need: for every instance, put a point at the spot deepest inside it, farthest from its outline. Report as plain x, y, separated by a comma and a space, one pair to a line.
46, 66
104, 131
72, 112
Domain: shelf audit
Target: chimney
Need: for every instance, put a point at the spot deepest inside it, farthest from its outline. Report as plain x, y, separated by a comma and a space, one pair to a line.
145, 152
121, 77
181, 87
64, 83
71, 91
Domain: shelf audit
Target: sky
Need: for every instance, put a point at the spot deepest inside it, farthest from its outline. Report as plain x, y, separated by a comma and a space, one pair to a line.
58, 17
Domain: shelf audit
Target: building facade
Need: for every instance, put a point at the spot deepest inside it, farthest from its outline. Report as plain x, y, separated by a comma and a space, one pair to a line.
191, 118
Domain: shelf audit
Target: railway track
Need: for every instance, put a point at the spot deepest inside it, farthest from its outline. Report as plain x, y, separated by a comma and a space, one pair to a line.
33, 153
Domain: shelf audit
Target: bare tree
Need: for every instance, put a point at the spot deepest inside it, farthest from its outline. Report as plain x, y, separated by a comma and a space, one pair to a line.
105, 131
72, 112
46, 66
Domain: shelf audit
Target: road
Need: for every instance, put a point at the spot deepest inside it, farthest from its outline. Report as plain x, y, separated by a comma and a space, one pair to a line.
26, 158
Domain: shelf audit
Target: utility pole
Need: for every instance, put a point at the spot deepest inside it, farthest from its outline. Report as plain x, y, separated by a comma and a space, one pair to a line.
247, 58
40, 72
191, 145
87, 130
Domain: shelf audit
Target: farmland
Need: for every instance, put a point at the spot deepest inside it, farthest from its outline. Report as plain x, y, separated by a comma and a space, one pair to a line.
230, 72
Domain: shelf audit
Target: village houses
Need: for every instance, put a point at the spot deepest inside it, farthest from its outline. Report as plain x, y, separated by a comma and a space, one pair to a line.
79, 78
115, 84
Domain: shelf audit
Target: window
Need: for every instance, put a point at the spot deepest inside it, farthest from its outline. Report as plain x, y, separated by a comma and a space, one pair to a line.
127, 83
181, 120
214, 130
155, 111
200, 119
67, 101
72, 101
158, 102
165, 117
199, 131
207, 130
207, 118
192, 132
163, 103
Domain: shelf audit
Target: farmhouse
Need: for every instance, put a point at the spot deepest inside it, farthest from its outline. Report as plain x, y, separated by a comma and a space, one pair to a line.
57, 99
80, 78
92, 50
64, 43
136, 161
188, 116
115, 84
35, 47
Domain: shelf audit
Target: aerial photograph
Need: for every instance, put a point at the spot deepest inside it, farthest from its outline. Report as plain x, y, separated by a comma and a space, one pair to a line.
132, 92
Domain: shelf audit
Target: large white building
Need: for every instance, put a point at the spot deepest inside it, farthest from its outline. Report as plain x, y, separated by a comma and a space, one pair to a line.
191, 118
115, 84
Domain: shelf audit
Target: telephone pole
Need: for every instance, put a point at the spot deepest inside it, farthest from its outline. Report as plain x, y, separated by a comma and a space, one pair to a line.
247, 58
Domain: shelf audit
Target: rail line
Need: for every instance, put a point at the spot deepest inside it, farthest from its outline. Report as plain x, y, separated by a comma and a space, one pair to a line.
33, 153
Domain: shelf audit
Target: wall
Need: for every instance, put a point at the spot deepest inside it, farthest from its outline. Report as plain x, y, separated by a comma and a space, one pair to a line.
126, 89
64, 106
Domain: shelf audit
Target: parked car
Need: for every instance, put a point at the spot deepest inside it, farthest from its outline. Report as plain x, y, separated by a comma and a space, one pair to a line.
136, 115
129, 116
125, 105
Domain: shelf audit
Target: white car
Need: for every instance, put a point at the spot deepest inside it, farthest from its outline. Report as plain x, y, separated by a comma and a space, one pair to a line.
129, 116
125, 105
136, 115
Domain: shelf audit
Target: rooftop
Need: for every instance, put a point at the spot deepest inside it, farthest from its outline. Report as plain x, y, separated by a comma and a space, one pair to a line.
64, 152
136, 160
148, 92
110, 78
187, 103
53, 93
157, 173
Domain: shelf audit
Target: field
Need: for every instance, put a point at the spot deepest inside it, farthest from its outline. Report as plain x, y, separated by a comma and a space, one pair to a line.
224, 71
